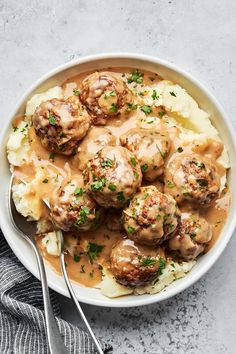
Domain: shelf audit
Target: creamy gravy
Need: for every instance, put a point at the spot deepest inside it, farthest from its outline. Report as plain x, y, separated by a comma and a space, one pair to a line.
54, 167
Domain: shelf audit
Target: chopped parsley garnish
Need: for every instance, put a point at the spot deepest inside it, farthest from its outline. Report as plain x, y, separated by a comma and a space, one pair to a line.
93, 250
200, 165
107, 162
136, 76
83, 216
162, 264
172, 265
186, 194
193, 234
217, 223
76, 92
78, 191
69, 208
154, 95
180, 149
158, 217
161, 113
162, 153
62, 135
52, 119
136, 175
112, 94
173, 93
76, 258
170, 184
131, 107
144, 168
112, 187
82, 268
130, 229
15, 129
113, 108
133, 161
146, 109
148, 262
45, 180
145, 196
120, 196
52, 156
98, 185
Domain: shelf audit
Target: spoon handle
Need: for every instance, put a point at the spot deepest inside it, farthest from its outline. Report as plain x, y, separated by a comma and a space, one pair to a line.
55, 342
73, 296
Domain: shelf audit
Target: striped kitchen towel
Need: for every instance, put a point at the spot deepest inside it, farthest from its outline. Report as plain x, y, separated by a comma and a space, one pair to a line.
22, 326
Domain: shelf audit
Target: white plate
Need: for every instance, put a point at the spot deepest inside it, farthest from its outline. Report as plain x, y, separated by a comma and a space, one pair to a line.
205, 100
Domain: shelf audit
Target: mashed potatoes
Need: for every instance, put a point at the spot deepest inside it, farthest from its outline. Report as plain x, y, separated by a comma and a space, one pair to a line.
182, 111
172, 271
51, 244
36, 100
18, 145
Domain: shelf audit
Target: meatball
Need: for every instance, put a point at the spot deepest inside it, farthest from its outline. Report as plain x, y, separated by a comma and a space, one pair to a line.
95, 140
191, 238
60, 124
104, 94
193, 178
134, 265
111, 178
151, 217
151, 149
73, 209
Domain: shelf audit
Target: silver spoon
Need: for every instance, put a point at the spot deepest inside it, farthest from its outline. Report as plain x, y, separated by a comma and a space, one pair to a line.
60, 237
27, 230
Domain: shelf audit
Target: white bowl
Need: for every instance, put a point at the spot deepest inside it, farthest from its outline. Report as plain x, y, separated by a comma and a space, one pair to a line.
205, 100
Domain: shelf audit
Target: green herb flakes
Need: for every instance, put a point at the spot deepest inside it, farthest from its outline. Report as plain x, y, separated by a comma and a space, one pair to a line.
52, 119
144, 168
146, 109
93, 250
133, 161
76, 258
120, 196
136, 76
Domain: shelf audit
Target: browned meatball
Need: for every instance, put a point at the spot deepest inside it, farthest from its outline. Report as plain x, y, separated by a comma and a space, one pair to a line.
95, 140
192, 236
151, 149
60, 124
111, 178
73, 209
151, 216
134, 265
104, 94
193, 178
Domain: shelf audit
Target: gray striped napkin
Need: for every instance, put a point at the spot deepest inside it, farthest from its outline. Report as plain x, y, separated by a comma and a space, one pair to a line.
22, 326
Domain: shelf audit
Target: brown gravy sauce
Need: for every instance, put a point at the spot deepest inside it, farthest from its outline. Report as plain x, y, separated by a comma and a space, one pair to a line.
55, 168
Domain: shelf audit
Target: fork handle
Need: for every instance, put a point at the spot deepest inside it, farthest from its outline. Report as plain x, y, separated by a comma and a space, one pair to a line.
55, 342
73, 296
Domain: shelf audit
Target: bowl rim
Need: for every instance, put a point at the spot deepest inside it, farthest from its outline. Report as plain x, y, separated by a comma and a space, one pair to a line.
152, 60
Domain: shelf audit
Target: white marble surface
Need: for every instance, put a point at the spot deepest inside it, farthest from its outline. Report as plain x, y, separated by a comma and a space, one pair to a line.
199, 36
